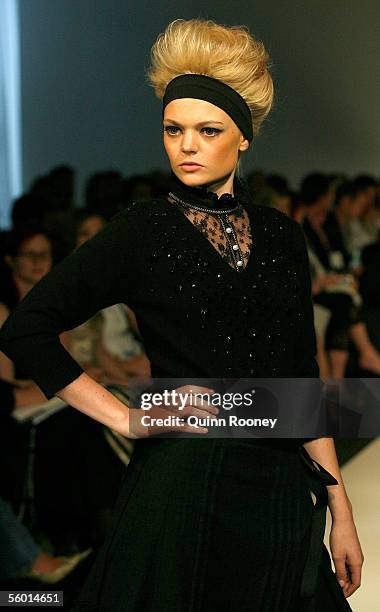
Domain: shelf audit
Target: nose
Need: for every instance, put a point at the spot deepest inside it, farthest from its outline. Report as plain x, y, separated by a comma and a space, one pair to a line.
189, 142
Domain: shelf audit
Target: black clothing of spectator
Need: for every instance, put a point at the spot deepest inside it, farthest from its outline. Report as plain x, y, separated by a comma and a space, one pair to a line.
370, 291
335, 237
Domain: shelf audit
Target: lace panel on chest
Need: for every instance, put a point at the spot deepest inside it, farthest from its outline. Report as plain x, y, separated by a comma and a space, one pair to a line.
229, 233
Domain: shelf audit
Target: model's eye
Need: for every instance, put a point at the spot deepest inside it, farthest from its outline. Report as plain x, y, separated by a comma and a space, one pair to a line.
210, 131
172, 130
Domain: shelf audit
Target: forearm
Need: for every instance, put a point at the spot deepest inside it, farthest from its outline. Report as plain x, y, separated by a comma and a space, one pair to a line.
323, 451
92, 399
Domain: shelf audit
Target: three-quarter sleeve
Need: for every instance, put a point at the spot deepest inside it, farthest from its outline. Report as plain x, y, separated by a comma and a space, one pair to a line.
102, 272
305, 365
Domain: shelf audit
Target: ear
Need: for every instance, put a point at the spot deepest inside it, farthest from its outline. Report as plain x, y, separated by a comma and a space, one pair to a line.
244, 144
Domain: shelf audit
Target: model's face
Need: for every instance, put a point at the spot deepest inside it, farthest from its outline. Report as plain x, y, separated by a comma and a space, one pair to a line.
33, 260
203, 144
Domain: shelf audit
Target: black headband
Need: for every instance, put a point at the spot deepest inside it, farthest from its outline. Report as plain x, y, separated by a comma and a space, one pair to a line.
212, 90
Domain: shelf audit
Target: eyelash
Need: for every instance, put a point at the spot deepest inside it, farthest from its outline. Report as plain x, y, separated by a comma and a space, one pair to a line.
215, 131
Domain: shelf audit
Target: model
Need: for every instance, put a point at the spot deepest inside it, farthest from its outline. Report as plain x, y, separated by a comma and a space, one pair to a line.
220, 288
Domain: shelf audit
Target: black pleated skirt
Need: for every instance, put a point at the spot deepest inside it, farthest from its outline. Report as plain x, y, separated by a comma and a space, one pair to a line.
211, 524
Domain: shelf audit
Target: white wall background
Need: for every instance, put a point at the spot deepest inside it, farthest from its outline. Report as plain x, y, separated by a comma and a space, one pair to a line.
85, 101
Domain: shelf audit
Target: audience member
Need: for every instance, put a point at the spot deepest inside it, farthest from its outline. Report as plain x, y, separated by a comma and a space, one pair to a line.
22, 557
347, 203
28, 256
363, 227
103, 193
87, 225
136, 188
30, 208
57, 187
275, 193
317, 196
344, 226
62, 185
370, 291
160, 182
338, 292
256, 181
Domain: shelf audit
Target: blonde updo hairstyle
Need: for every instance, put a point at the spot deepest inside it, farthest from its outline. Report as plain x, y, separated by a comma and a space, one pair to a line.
229, 54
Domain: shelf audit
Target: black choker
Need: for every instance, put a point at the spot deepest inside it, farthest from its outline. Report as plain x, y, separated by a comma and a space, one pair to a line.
204, 200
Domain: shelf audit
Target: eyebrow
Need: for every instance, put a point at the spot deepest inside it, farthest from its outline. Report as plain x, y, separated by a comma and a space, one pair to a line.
197, 125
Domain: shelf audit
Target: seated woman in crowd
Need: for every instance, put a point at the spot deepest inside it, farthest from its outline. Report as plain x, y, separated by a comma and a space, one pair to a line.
345, 229
276, 193
347, 206
370, 291
28, 258
338, 292
364, 228
317, 196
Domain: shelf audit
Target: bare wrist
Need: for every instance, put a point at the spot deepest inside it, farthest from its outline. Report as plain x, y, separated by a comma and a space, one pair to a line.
340, 510
121, 421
